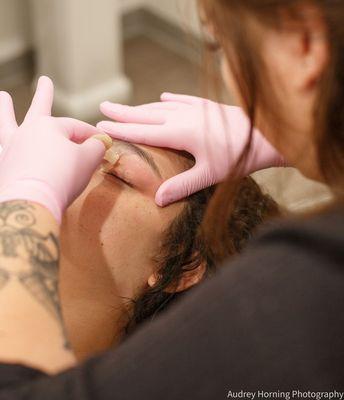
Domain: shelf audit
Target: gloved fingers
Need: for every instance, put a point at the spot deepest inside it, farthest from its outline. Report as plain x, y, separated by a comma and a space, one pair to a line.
42, 101
77, 131
138, 115
8, 121
167, 105
151, 135
180, 186
160, 105
93, 151
180, 98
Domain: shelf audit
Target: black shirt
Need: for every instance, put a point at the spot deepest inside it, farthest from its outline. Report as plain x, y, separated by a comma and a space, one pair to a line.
271, 320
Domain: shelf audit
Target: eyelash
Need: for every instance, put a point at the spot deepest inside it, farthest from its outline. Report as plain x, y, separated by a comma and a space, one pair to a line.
120, 179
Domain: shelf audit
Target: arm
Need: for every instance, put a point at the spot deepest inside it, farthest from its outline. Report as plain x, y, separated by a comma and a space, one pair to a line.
38, 181
32, 331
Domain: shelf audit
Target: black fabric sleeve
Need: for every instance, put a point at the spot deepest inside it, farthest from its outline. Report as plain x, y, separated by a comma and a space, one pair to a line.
13, 374
270, 320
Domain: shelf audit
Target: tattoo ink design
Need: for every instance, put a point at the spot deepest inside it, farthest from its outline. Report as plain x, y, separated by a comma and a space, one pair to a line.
4, 277
18, 238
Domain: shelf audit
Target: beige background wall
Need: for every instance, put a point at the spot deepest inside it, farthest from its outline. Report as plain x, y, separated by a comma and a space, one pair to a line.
15, 29
179, 12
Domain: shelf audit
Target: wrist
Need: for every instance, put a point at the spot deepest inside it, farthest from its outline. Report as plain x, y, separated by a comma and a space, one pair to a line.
263, 154
34, 191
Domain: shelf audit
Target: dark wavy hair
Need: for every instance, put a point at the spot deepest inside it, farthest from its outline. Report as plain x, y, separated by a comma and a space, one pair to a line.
185, 247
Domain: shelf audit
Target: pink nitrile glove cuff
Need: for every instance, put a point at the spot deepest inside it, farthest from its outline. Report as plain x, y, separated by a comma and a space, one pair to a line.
33, 191
262, 155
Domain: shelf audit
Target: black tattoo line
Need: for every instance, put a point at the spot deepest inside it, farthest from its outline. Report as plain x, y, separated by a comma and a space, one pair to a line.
18, 238
4, 277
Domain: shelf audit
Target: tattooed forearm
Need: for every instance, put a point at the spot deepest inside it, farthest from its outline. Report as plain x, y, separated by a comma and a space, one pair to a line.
20, 239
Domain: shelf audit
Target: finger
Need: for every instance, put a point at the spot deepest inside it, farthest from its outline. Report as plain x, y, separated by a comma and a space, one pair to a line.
8, 121
105, 139
181, 98
138, 115
181, 186
151, 135
159, 105
78, 131
93, 150
167, 105
42, 101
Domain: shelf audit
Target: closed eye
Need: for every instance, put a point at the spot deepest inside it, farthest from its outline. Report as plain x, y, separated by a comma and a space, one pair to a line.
120, 179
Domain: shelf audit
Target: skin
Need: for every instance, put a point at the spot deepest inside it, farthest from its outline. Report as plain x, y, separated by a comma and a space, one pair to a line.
109, 237
111, 252
295, 59
32, 335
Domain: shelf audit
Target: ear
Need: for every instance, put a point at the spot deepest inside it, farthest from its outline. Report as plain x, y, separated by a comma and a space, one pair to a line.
298, 52
314, 44
187, 280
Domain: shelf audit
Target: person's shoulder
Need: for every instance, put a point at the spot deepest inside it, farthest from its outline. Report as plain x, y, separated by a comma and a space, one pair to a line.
286, 290
13, 374
319, 235
324, 227
303, 248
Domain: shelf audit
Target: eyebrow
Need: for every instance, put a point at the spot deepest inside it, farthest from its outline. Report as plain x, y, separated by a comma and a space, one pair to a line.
144, 155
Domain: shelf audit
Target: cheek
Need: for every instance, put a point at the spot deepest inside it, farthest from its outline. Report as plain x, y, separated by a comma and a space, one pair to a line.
130, 239
116, 230
83, 222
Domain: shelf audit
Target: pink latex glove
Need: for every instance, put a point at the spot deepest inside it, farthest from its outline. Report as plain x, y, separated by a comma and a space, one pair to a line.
46, 160
214, 134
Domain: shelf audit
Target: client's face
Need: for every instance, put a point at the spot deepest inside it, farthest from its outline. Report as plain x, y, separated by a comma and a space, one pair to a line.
109, 238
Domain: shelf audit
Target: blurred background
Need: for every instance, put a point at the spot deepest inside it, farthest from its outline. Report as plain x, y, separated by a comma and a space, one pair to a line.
127, 51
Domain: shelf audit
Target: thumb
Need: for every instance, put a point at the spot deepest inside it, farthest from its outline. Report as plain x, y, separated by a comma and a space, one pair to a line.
182, 186
8, 122
93, 150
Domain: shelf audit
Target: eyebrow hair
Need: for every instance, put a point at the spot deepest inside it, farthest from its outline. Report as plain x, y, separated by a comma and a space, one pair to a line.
145, 156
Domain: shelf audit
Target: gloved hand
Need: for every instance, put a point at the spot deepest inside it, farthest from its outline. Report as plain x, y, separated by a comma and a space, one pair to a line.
46, 160
214, 134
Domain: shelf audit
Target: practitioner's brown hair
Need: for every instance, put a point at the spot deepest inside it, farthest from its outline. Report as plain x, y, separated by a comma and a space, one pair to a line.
230, 21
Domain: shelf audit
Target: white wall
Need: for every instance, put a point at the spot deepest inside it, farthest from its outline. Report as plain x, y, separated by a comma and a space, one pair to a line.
15, 25
129, 5
78, 44
15, 37
179, 12
15, 31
